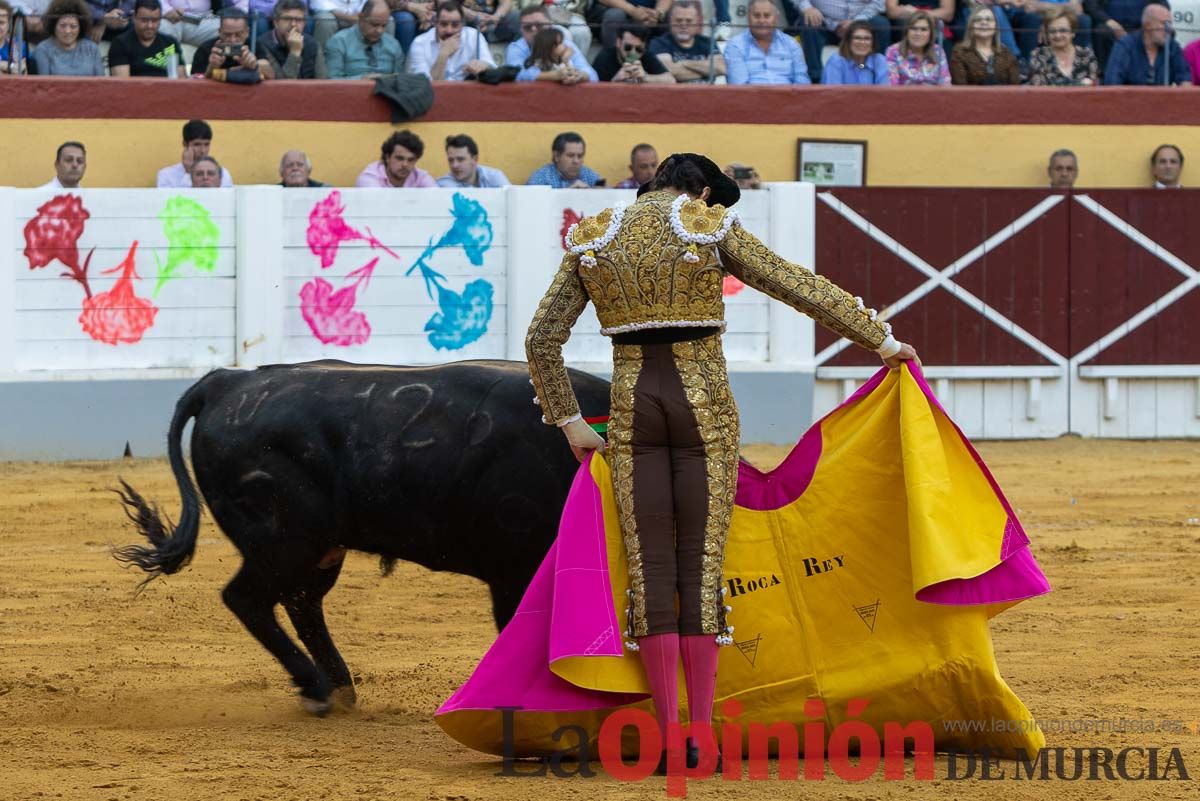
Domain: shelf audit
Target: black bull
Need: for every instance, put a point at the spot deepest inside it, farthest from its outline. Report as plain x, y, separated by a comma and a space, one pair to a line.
448, 466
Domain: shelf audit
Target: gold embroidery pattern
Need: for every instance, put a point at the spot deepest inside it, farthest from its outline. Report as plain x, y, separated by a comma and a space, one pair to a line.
756, 265
627, 366
700, 218
589, 229
641, 277
549, 330
701, 366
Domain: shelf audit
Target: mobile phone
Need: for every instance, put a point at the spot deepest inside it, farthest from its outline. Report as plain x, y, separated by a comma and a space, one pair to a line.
231, 50
602, 182
743, 173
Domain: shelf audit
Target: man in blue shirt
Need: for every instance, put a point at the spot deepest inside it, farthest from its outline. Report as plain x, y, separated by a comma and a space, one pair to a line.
533, 19
462, 156
1140, 59
762, 54
567, 170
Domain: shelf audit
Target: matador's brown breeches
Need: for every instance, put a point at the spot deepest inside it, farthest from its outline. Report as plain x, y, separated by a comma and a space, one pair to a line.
673, 447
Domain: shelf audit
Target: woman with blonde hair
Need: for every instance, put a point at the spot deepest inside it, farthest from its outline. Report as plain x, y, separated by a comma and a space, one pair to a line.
980, 59
1061, 62
917, 59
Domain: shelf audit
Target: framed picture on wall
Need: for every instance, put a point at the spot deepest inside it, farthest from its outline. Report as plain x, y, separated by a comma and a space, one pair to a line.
832, 162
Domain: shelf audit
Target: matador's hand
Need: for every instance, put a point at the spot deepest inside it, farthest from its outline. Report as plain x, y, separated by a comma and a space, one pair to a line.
906, 354
582, 439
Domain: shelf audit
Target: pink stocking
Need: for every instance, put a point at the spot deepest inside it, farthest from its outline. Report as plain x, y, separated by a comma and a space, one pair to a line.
660, 657
700, 653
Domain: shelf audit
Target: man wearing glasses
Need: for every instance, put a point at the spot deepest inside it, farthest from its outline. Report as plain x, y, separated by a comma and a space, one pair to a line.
290, 52
533, 19
144, 52
363, 51
629, 62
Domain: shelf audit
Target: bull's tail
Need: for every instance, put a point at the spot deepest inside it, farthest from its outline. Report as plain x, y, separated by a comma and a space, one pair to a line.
171, 547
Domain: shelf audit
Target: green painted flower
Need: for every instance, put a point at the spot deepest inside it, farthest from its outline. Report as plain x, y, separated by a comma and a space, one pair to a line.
191, 237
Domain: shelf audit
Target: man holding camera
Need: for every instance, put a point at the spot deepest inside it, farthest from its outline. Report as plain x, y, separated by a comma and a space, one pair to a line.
229, 57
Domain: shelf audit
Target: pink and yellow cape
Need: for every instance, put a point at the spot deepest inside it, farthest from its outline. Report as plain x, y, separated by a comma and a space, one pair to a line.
865, 566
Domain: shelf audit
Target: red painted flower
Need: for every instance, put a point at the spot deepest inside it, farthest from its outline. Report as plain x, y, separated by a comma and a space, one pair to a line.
331, 315
570, 217
327, 230
118, 315
54, 234
731, 286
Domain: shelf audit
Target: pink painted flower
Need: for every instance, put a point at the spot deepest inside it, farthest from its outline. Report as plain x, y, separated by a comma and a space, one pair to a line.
331, 315
731, 286
118, 315
327, 230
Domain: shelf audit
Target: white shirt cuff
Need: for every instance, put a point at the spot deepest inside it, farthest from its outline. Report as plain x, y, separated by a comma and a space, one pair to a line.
570, 419
889, 348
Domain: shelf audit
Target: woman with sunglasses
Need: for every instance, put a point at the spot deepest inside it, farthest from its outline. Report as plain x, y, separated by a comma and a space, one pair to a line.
654, 272
1061, 62
856, 61
917, 60
980, 59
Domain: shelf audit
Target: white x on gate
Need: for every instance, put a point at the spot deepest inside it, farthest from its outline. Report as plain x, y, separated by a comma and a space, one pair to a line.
934, 278
1169, 258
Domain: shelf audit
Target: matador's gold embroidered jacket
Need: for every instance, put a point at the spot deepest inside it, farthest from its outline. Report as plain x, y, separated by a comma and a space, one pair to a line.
660, 263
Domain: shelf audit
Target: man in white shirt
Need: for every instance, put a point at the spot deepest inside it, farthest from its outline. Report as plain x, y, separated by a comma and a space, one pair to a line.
1166, 165
448, 51
197, 140
190, 21
69, 165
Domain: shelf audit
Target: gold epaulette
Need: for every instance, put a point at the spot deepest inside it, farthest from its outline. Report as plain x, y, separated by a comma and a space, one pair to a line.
699, 218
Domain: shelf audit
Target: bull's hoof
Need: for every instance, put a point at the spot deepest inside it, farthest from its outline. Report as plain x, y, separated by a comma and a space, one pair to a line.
344, 697
316, 707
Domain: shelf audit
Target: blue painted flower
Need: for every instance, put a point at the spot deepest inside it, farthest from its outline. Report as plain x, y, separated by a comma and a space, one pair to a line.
463, 318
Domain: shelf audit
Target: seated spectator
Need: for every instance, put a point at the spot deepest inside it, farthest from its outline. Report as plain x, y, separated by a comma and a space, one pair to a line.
295, 170
1191, 54
291, 52
614, 16
1063, 169
534, 19
629, 62
566, 169
1060, 62
744, 176
197, 140
1138, 59
450, 52
979, 59
826, 21
110, 18
682, 50
143, 52
551, 60
330, 17
643, 163
916, 59
190, 21
569, 15
1027, 22
462, 156
68, 51
763, 54
1166, 165
942, 11
70, 163
1111, 20
363, 51
397, 165
410, 18
206, 173
10, 65
495, 19
228, 57
856, 61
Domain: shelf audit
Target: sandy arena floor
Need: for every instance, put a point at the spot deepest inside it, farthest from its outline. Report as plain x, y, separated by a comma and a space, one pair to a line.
164, 696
